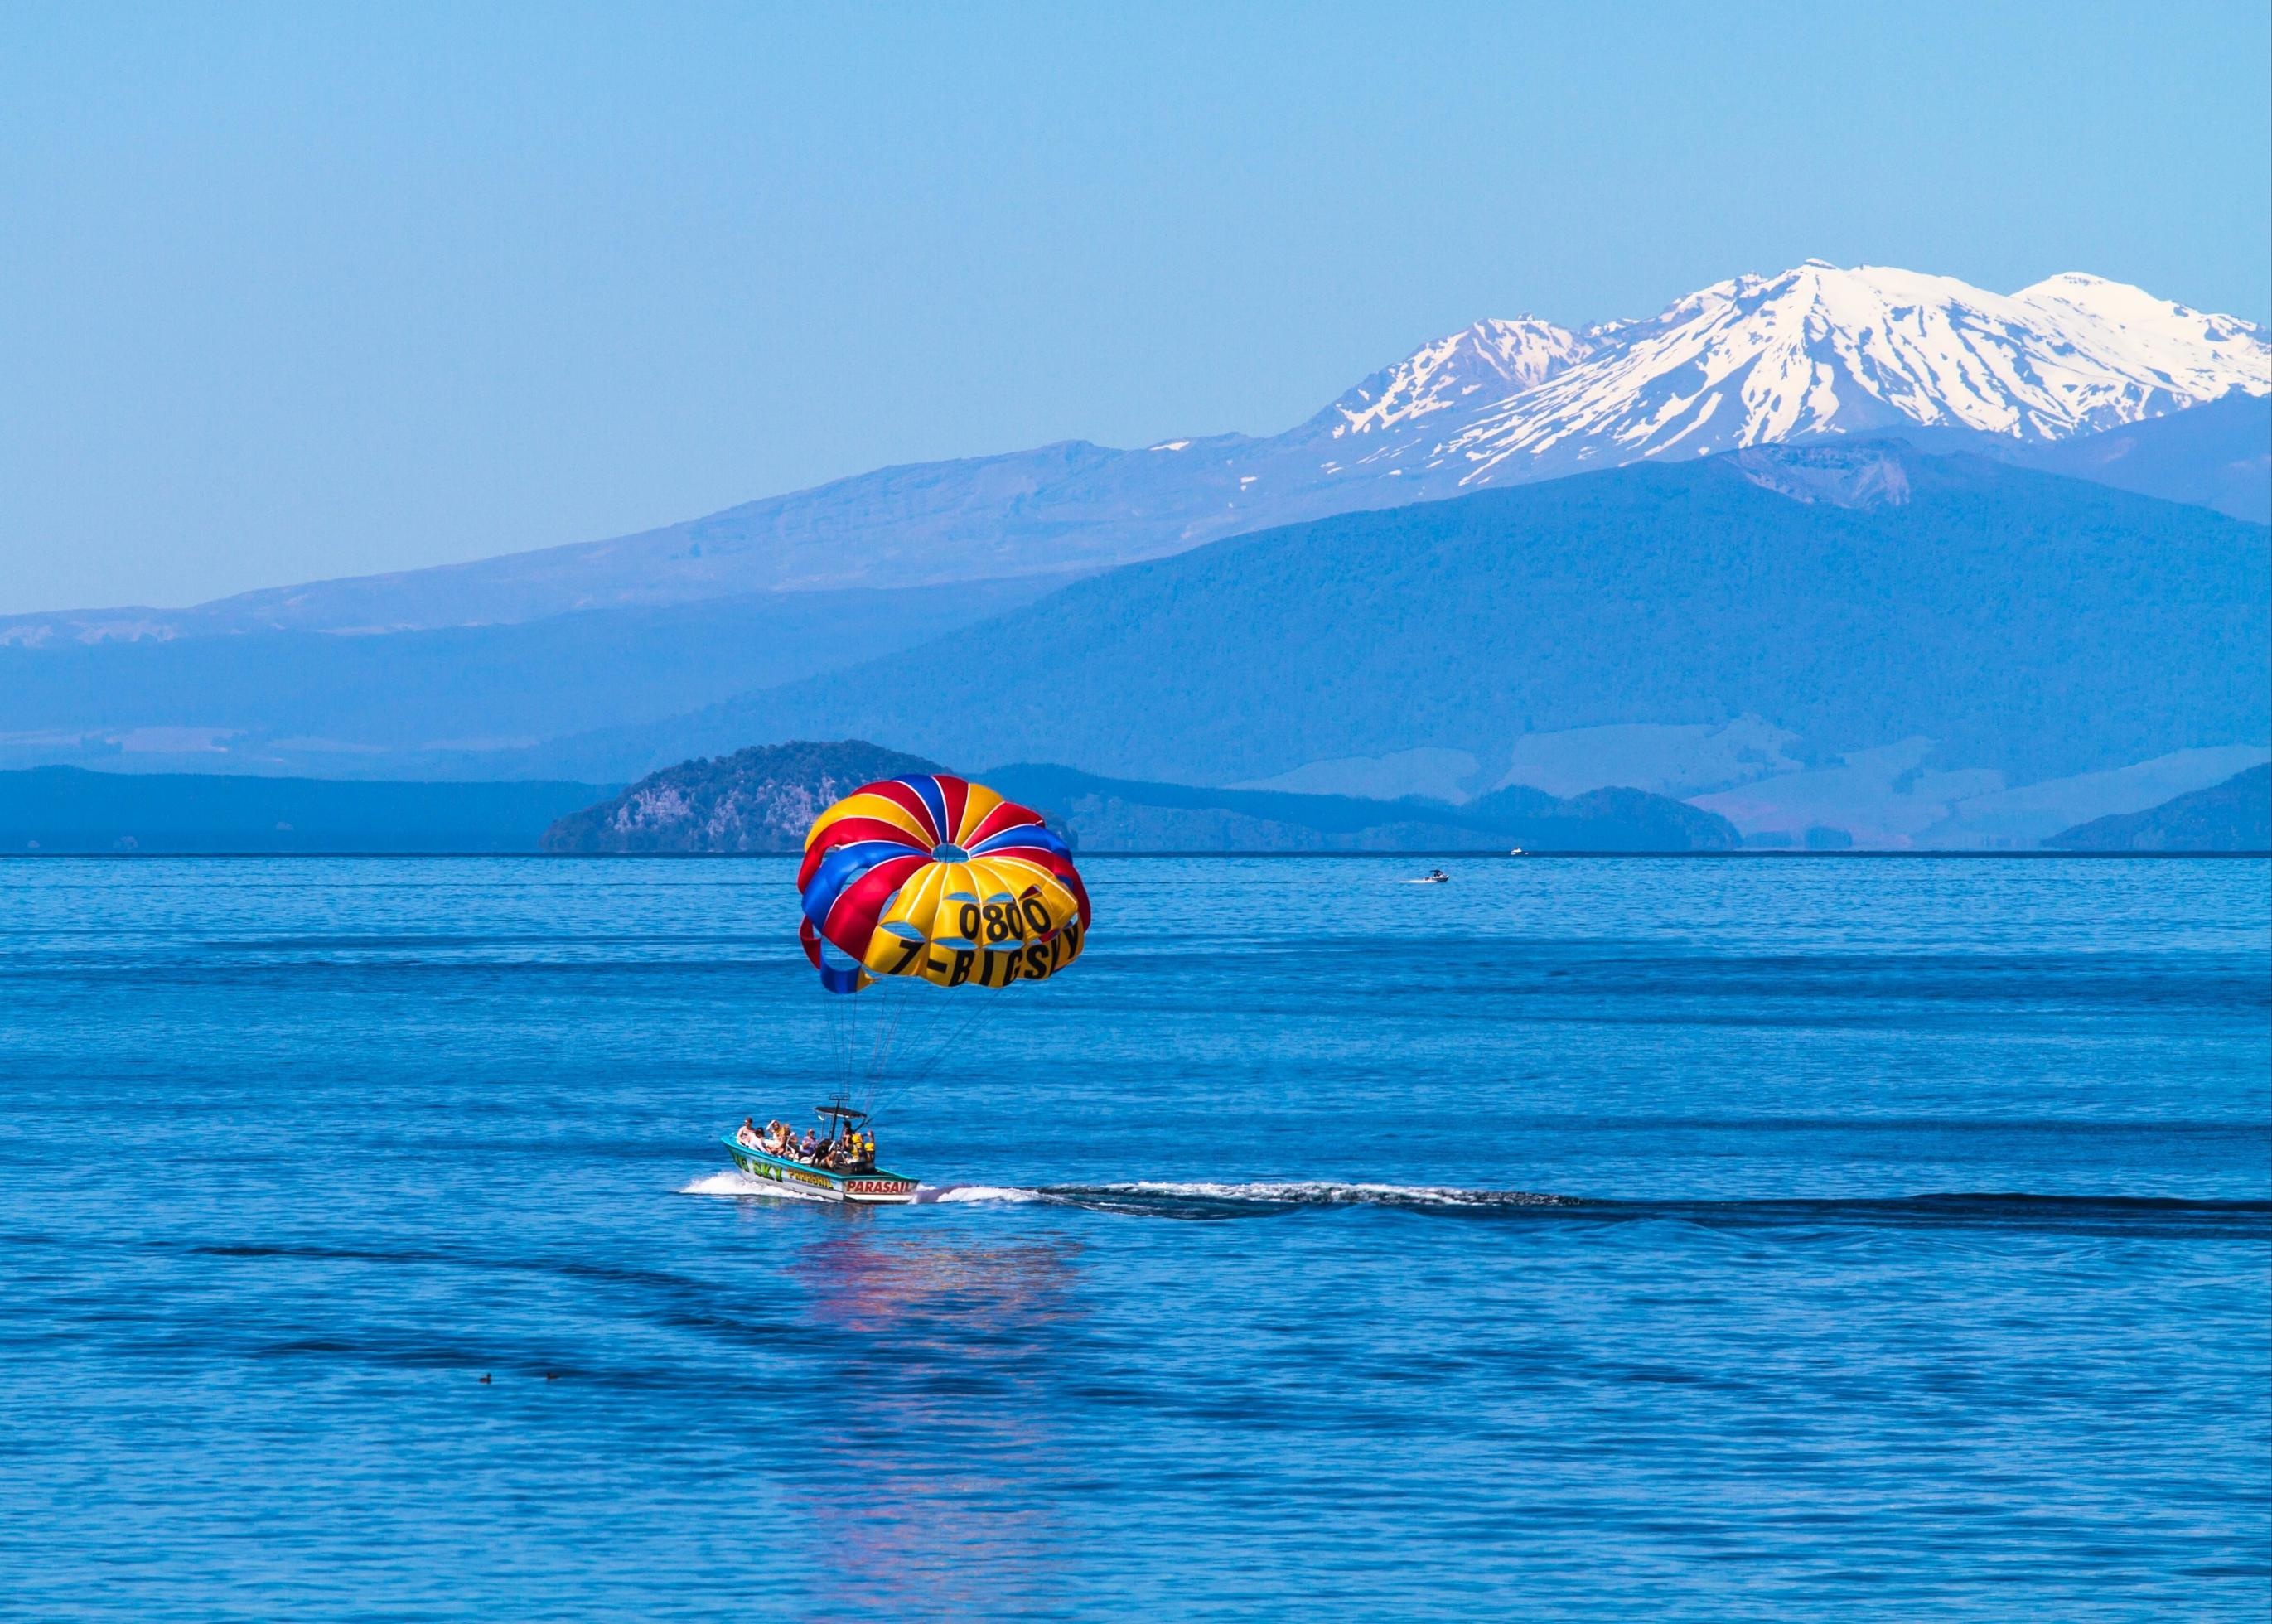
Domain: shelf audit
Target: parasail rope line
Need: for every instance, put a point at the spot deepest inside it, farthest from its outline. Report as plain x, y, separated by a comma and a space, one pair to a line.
925, 1063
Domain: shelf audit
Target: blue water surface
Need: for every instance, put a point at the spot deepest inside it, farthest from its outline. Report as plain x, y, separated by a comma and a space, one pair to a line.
1709, 1238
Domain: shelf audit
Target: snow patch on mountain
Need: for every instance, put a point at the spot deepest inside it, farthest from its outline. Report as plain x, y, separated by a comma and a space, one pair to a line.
1822, 350
1491, 360
2199, 355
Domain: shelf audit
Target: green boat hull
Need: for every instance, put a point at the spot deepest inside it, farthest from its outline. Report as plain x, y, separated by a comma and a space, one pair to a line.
874, 1187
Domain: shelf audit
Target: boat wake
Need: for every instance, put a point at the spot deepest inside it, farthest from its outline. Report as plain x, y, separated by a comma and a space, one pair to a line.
1159, 1199
2166, 1217
1153, 1197
2163, 1216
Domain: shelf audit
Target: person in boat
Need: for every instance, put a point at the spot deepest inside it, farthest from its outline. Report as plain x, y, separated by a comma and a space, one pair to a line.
747, 1133
811, 1150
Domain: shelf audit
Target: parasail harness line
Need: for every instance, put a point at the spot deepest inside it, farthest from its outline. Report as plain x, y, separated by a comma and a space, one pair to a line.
920, 1068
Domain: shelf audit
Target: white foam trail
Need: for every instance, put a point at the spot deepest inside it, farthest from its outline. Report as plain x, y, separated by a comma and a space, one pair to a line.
1319, 1193
733, 1181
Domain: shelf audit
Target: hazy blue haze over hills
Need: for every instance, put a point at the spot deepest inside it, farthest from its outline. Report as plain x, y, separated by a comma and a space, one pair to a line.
444, 702
2026, 624
762, 799
1108, 814
67, 809
1967, 626
2233, 816
2218, 455
596, 661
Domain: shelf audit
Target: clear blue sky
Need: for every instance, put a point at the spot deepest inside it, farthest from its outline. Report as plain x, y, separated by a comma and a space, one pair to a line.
304, 291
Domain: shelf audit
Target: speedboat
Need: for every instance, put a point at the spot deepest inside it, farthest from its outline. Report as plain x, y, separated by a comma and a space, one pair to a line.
816, 1181
1435, 877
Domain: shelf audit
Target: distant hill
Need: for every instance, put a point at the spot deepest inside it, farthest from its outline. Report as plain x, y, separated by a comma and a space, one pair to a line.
67, 809
2218, 455
2023, 626
1115, 814
454, 702
2233, 816
760, 799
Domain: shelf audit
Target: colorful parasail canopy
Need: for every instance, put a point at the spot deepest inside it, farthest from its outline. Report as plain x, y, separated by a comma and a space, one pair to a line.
936, 877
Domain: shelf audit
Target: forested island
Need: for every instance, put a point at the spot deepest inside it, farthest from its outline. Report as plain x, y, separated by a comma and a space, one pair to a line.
760, 799
763, 798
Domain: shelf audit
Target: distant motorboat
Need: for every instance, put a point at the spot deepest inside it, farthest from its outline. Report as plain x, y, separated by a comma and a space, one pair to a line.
1433, 877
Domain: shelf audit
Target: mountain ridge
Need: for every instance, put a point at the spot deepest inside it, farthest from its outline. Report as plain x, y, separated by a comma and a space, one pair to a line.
1113, 814
2022, 626
1810, 351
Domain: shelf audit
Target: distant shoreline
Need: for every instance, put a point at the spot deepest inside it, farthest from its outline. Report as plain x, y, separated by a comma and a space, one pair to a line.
1464, 855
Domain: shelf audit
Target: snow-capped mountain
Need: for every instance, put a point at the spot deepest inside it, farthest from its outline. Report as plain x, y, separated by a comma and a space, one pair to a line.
1820, 350
1814, 351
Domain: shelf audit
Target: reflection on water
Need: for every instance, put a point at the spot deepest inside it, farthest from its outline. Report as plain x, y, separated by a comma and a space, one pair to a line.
926, 1472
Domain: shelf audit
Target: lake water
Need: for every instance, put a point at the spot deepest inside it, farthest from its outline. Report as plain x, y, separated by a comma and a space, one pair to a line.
1908, 1252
